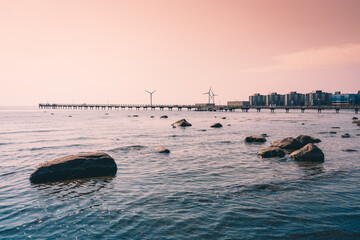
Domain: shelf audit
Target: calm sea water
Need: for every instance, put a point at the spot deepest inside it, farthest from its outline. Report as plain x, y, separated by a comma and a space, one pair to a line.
211, 186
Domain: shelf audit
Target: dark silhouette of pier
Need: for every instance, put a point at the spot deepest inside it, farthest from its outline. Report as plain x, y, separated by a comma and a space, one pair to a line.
161, 107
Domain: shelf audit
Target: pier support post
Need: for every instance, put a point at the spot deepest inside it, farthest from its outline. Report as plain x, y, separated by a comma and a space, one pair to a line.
356, 111
337, 110
302, 110
272, 110
258, 109
287, 110
319, 110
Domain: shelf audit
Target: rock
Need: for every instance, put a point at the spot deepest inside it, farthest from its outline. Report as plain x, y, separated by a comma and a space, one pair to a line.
255, 139
287, 143
309, 152
70, 116
161, 149
223, 118
356, 121
151, 116
135, 115
350, 150
216, 125
164, 116
88, 165
345, 135
229, 125
182, 123
333, 132
358, 124
354, 118
302, 123
264, 135
271, 152
335, 127
305, 139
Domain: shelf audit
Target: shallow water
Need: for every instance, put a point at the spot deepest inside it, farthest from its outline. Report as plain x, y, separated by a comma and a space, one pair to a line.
211, 186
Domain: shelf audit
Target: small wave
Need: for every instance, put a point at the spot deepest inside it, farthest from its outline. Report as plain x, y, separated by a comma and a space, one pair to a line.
56, 147
6, 174
128, 148
28, 131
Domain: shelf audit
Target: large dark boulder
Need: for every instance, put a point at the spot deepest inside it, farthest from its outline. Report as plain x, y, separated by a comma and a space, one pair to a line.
310, 152
182, 123
305, 139
253, 138
288, 143
88, 165
356, 121
271, 152
216, 125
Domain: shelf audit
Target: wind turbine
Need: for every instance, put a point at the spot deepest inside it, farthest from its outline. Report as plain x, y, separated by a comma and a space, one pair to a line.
213, 96
209, 93
151, 93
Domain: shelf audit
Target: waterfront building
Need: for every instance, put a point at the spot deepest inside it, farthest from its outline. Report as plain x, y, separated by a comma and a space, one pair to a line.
257, 100
238, 103
274, 99
318, 98
339, 98
294, 99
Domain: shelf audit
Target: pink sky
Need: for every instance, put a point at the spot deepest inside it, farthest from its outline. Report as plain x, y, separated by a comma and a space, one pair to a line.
112, 51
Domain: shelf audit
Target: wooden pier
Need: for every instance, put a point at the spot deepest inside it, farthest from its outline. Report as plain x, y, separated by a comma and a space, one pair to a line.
193, 107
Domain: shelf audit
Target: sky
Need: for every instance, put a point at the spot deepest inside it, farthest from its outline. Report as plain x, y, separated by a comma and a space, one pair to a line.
111, 51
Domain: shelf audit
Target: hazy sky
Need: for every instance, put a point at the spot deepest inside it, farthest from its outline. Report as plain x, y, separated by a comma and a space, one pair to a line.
74, 51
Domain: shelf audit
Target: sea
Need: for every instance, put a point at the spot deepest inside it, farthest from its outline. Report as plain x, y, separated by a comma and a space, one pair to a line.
212, 185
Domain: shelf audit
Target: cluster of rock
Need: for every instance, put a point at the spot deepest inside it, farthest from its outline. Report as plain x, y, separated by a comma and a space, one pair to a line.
100, 164
301, 148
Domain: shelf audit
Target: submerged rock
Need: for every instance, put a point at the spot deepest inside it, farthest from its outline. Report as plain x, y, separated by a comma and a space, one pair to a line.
354, 118
310, 152
164, 116
151, 116
88, 165
345, 135
271, 152
287, 143
223, 118
305, 139
356, 121
182, 123
135, 115
264, 135
216, 125
253, 138
161, 149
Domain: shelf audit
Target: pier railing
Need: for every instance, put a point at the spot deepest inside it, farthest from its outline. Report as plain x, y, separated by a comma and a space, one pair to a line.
179, 107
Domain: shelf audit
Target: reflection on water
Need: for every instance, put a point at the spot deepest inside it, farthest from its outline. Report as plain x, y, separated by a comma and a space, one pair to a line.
211, 186
311, 168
